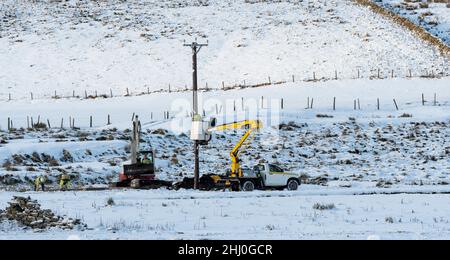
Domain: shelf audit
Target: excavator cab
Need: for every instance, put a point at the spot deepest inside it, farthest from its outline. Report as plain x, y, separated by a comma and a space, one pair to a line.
144, 168
146, 157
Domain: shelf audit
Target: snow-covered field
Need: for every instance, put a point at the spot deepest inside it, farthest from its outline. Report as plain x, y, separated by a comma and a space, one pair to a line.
368, 159
151, 108
48, 46
434, 17
263, 215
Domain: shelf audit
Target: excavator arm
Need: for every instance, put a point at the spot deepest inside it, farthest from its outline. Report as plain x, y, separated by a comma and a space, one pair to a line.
252, 126
135, 139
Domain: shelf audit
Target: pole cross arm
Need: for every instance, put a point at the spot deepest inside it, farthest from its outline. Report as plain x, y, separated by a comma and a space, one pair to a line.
196, 47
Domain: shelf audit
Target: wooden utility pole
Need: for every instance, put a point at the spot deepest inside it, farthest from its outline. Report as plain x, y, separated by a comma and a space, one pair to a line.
196, 47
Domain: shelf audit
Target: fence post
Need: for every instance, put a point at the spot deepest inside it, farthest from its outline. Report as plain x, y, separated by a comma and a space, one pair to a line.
282, 103
109, 119
435, 99
334, 104
48, 123
9, 124
31, 95
90, 121
9, 97
423, 99
395, 103
378, 103
293, 78
62, 123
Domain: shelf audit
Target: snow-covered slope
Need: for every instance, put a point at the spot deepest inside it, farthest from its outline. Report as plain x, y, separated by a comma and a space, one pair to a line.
66, 46
434, 17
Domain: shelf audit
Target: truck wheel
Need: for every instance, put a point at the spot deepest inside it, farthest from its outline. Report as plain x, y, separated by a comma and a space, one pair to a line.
248, 186
292, 185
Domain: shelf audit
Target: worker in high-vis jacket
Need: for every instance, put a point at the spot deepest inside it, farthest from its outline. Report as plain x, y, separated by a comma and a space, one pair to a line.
146, 160
39, 182
64, 181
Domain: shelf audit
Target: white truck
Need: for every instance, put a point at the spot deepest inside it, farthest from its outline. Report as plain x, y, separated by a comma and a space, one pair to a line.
268, 176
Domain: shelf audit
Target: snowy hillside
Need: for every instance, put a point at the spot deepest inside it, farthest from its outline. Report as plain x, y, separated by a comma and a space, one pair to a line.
65, 46
434, 17
354, 104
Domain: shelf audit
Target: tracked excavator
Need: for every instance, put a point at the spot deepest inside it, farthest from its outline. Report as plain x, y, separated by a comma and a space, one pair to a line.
139, 172
262, 176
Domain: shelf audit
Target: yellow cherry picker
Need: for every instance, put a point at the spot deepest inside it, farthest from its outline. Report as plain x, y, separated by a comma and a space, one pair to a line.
261, 176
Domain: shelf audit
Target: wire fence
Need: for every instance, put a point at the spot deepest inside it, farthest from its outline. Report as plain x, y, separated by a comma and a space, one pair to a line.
377, 74
240, 105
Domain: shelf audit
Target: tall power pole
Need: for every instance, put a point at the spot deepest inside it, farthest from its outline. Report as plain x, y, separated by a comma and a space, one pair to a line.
195, 50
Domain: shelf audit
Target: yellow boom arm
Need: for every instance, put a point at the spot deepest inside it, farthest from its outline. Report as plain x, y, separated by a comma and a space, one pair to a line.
251, 125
